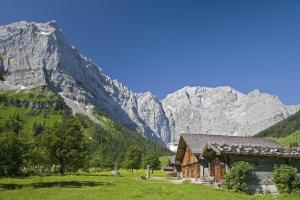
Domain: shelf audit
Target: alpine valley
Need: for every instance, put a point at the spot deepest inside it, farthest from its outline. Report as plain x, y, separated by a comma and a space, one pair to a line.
34, 55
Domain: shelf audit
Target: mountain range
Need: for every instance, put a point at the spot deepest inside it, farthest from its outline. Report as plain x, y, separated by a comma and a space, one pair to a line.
38, 54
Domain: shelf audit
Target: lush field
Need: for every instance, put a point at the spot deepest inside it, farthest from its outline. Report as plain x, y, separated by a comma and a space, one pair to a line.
105, 186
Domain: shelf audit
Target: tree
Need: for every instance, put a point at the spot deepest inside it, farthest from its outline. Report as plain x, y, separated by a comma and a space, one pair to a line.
14, 123
66, 145
11, 156
152, 159
133, 157
37, 129
100, 160
286, 179
235, 179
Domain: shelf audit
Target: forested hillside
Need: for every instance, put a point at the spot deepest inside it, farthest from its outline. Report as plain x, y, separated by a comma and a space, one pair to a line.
286, 132
29, 119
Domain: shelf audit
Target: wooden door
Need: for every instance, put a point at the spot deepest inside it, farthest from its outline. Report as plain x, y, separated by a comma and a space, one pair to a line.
219, 171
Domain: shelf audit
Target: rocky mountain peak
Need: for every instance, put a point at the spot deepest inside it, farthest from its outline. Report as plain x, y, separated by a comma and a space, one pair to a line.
38, 54
255, 92
222, 111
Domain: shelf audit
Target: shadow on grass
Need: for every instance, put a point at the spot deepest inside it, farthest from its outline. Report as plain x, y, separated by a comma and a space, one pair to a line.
63, 184
105, 175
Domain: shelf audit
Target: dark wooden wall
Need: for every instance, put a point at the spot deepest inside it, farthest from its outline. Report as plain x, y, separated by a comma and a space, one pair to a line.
190, 165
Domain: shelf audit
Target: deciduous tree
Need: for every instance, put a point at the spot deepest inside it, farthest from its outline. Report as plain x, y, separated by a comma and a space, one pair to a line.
133, 157
11, 155
66, 145
152, 159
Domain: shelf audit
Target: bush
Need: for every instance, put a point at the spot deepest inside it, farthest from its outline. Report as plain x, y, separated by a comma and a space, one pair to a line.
286, 179
235, 179
296, 185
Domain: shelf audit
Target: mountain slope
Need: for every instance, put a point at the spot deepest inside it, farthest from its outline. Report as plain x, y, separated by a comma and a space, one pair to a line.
292, 140
38, 109
37, 54
283, 128
287, 131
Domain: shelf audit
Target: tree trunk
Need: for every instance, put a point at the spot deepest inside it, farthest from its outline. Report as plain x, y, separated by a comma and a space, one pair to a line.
62, 168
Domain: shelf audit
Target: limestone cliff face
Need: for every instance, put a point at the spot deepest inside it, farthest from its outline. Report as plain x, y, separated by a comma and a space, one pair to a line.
38, 54
222, 111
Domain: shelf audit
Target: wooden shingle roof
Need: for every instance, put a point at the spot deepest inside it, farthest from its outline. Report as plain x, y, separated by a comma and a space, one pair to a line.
197, 142
225, 149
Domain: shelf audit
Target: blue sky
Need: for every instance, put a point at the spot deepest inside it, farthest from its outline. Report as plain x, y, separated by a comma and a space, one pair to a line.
163, 45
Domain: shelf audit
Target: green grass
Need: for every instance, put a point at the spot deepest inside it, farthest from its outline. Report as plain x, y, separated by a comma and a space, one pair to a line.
29, 116
11, 104
34, 95
105, 186
286, 141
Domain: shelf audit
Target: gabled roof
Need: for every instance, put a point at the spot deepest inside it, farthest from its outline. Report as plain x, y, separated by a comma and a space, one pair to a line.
246, 149
197, 142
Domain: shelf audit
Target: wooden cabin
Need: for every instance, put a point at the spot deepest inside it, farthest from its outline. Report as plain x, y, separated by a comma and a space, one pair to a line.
172, 167
208, 157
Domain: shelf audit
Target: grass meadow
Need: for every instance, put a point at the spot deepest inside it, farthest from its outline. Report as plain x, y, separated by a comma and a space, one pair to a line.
103, 185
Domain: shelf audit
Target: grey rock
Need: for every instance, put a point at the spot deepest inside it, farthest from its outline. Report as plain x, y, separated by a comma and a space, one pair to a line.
222, 111
38, 54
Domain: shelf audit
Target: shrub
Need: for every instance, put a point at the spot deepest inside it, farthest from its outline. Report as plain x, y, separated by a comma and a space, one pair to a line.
235, 179
286, 179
